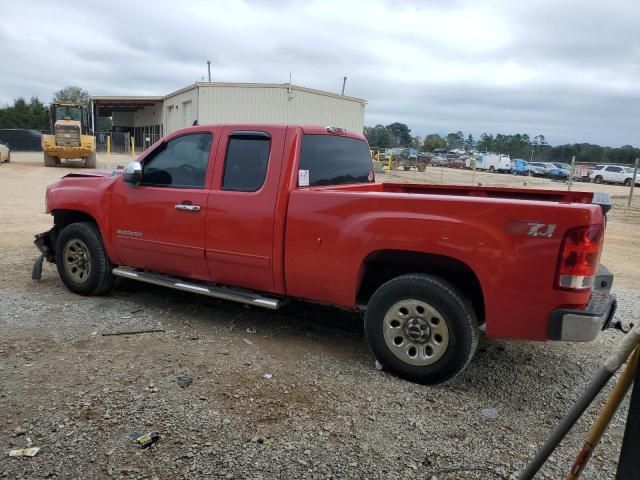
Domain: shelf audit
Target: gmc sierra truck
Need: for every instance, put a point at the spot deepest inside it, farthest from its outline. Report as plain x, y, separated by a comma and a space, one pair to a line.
262, 213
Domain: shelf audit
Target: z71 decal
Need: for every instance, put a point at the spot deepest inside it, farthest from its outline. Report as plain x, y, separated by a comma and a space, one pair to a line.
533, 229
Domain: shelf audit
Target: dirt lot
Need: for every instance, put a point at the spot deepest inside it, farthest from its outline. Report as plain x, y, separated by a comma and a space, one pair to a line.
325, 413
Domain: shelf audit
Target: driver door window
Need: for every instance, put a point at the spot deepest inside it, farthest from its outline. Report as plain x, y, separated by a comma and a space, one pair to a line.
179, 163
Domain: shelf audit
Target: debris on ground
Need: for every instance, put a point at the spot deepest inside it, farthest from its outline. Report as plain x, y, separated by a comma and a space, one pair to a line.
251, 331
490, 413
24, 452
247, 341
184, 380
146, 440
267, 375
133, 332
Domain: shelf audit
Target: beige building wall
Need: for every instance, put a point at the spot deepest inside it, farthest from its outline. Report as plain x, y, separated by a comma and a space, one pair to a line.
181, 109
264, 103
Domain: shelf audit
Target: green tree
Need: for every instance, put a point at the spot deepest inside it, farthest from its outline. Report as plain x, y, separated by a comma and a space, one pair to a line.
378, 136
31, 115
72, 94
470, 142
455, 140
433, 141
400, 134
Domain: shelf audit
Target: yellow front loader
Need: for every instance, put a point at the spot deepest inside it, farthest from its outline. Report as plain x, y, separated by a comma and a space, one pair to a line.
70, 138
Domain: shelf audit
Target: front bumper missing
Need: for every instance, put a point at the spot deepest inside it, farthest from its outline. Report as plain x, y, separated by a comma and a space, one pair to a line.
44, 243
585, 325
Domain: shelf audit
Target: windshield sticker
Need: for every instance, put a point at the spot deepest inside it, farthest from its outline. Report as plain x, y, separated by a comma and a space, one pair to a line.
303, 178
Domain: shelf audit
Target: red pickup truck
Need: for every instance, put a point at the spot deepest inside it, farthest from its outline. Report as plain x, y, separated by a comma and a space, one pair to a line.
262, 213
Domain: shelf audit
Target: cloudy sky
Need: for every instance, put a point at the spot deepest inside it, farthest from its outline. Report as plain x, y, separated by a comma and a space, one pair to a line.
569, 70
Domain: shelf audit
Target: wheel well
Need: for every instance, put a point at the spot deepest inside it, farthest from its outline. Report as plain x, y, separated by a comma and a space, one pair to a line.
62, 218
382, 266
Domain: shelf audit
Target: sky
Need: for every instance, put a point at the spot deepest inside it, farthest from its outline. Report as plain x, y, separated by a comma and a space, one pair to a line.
569, 70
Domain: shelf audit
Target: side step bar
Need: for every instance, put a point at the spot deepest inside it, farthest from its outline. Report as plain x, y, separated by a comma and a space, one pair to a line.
224, 293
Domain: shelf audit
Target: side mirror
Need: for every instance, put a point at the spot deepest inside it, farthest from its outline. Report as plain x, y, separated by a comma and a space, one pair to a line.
133, 172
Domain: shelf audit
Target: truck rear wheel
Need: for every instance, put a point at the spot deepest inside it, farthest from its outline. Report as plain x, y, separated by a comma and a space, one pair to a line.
422, 167
421, 328
90, 161
82, 262
51, 160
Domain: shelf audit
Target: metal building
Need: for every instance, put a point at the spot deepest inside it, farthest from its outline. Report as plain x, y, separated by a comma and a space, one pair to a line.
147, 118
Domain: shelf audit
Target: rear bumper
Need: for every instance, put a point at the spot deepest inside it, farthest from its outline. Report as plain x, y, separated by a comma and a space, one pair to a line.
584, 325
69, 152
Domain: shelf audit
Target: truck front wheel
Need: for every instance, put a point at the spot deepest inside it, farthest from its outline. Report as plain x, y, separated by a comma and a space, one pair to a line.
51, 160
82, 262
90, 161
421, 328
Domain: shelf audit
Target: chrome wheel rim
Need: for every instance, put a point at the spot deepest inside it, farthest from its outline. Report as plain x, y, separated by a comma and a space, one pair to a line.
416, 332
77, 261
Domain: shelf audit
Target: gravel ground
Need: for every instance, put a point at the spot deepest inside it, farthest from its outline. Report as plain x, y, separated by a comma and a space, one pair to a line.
324, 413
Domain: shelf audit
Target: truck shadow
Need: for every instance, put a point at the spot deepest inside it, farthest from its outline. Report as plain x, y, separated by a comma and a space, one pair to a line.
507, 367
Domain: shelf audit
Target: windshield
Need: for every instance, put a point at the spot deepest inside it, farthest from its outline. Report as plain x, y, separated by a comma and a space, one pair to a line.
68, 113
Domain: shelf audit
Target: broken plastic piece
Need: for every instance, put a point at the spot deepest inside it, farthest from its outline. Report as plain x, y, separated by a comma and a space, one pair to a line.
24, 452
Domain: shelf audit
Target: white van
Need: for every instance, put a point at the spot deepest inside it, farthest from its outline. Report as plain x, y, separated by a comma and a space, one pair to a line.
493, 162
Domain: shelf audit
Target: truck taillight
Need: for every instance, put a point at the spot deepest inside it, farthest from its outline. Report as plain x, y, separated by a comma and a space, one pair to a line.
579, 257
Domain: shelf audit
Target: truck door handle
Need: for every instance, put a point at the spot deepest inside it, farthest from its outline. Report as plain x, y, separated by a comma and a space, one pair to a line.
188, 207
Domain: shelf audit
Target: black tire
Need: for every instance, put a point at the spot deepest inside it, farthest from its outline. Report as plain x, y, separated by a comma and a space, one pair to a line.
492, 169
51, 160
90, 161
422, 167
99, 280
627, 182
406, 169
456, 311
598, 179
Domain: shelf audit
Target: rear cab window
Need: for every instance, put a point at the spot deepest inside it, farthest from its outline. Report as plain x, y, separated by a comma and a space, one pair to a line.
334, 160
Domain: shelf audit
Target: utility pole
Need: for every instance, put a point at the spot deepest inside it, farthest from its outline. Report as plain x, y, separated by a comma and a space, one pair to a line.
344, 83
209, 69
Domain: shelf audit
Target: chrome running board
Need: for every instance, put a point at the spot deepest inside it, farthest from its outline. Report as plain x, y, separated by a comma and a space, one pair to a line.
224, 293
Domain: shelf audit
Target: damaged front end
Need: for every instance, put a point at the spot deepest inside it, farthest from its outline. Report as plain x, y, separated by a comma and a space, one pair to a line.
44, 243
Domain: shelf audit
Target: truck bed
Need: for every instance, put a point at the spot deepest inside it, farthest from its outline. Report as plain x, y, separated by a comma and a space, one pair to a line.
471, 191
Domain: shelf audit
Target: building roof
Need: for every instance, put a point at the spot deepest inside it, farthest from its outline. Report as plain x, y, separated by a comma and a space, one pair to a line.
131, 103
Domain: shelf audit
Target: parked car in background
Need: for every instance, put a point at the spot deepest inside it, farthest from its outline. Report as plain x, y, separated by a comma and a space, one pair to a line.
493, 162
439, 161
424, 159
456, 162
519, 166
613, 174
562, 171
540, 169
5, 153
404, 157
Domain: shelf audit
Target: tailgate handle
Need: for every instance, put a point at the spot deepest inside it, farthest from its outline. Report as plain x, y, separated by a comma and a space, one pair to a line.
188, 207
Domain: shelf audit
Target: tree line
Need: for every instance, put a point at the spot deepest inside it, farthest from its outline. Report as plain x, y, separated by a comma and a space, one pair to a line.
519, 145
34, 115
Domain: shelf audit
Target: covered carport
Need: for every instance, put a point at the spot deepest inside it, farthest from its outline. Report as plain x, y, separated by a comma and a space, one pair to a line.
137, 117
